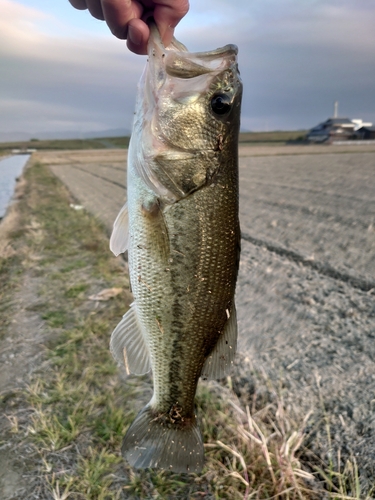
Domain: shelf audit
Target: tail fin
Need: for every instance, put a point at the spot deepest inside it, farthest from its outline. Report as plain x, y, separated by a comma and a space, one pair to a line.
153, 442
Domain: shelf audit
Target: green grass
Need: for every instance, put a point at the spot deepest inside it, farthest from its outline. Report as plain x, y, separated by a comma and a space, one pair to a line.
65, 144
76, 290
8, 281
79, 408
276, 137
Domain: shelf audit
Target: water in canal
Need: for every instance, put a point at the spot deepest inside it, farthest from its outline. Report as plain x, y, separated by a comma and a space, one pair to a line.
10, 168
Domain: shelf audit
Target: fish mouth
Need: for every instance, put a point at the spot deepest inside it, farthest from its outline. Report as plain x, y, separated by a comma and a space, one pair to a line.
176, 61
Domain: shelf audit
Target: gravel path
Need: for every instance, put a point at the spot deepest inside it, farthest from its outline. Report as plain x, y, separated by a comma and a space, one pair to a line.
306, 291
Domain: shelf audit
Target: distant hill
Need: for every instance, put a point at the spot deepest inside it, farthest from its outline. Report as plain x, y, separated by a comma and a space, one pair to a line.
122, 141
95, 143
70, 134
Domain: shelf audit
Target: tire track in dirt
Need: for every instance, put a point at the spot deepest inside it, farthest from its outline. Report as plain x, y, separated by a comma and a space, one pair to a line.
310, 190
100, 177
314, 212
362, 283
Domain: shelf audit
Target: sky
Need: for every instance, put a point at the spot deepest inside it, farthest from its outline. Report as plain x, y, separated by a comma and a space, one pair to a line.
62, 70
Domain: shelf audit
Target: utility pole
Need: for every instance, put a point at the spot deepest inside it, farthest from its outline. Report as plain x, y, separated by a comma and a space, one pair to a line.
335, 109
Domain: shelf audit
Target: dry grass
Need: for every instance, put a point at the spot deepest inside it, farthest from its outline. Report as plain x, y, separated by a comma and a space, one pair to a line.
76, 410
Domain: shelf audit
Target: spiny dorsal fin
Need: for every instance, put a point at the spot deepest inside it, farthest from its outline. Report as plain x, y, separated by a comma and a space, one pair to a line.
219, 362
128, 345
120, 233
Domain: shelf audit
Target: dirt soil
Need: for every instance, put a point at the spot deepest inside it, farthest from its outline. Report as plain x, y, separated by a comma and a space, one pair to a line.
21, 349
306, 290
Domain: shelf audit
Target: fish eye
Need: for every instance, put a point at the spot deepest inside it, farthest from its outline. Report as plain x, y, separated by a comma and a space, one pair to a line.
221, 104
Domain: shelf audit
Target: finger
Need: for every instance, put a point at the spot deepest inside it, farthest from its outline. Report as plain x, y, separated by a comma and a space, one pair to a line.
95, 9
167, 15
79, 4
118, 13
138, 35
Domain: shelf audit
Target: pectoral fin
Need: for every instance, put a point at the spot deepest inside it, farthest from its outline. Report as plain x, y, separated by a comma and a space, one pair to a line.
220, 360
128, 345
156, 226
120, 233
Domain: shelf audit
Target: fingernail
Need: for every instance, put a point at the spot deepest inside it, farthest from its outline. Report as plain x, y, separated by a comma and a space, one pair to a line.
134, 36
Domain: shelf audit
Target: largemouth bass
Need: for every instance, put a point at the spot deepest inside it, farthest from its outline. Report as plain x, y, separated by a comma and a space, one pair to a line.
181, 229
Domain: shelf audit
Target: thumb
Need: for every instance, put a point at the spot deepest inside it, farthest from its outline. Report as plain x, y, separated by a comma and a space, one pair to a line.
168, 16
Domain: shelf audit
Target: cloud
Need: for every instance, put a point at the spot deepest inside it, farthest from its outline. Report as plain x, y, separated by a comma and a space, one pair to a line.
18, 27
89, 79
296, 58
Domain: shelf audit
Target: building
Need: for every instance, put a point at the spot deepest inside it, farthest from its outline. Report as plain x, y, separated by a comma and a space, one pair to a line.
339, 129
366, 133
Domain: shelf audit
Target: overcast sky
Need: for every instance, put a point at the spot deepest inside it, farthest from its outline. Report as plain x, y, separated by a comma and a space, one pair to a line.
61, 70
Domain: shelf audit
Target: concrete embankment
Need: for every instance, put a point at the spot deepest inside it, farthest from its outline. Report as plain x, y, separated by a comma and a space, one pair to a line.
305, 296
10, 169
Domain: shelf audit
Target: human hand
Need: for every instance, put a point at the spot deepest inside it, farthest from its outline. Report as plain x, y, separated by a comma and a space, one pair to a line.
127, 19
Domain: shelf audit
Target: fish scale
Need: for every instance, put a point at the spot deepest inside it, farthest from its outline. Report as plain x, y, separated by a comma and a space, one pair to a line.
181, 229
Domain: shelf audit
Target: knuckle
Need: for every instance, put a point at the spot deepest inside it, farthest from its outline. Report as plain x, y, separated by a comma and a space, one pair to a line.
184, 7
119, 31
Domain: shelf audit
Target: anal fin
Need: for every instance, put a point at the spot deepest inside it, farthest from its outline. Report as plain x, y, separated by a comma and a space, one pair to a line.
120, 233
220, 360
128, 345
